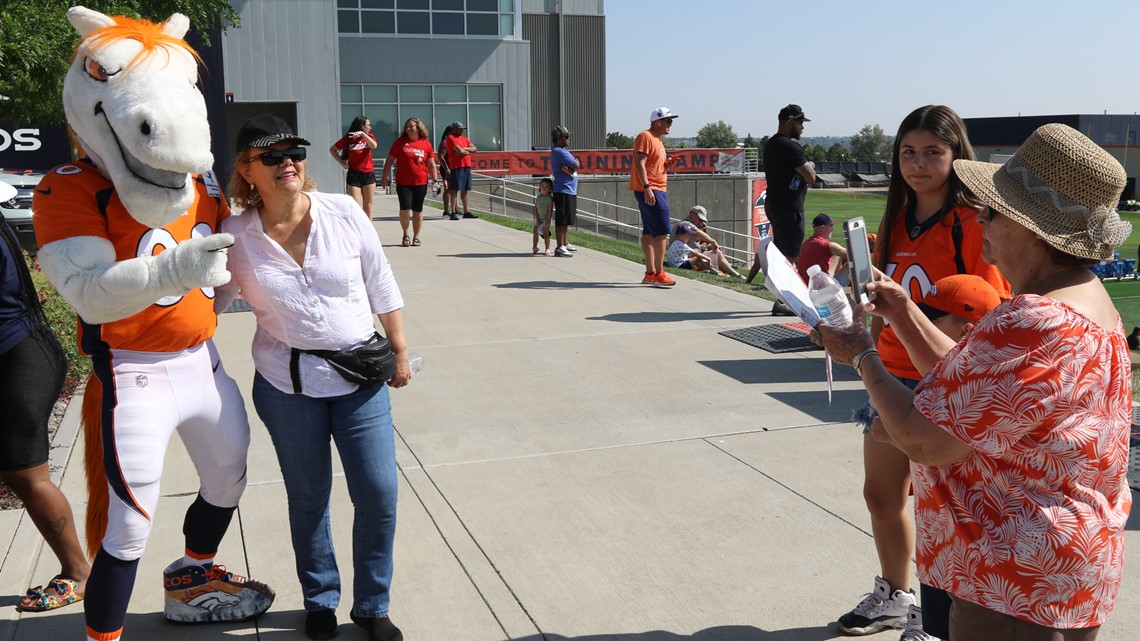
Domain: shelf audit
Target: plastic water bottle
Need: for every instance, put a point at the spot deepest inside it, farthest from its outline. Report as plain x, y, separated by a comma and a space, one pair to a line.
415, 362
828, 297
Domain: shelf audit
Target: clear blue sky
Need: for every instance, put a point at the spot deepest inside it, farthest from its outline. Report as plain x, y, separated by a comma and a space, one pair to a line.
852, 63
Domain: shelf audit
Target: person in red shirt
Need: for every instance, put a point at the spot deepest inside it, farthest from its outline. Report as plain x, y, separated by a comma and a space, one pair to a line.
459, 150
415, 164
353, 152
819, 250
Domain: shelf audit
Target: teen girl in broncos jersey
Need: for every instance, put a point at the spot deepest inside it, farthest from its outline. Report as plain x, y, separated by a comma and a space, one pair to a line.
929, 231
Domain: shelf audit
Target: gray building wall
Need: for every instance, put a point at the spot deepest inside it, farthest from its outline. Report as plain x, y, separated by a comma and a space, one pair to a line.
445, 60
284, 58
582, 108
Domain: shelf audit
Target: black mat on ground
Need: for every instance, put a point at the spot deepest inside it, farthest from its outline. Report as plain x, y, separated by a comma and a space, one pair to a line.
773, 338
238, 305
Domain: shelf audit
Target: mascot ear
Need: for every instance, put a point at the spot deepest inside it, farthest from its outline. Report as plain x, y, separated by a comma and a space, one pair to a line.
86, 20
176, 25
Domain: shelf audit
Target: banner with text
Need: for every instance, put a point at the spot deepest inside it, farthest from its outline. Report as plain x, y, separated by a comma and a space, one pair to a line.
608, 161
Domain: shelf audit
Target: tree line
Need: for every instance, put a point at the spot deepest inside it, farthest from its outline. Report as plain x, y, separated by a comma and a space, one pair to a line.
870, 144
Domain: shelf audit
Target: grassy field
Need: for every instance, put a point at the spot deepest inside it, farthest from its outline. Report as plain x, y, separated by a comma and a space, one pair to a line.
843, 206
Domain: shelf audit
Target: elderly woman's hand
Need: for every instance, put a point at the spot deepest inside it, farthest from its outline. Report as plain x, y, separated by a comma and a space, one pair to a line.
843, 343
891, 299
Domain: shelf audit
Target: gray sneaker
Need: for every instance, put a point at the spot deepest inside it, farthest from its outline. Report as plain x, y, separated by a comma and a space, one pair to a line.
562, 252
913, 630
880, 610
570, 247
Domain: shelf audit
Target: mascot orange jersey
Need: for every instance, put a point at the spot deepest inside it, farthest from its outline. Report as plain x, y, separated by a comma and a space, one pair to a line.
82, 202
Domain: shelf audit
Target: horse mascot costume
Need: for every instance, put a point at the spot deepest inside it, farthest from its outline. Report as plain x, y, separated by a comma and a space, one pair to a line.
127, 236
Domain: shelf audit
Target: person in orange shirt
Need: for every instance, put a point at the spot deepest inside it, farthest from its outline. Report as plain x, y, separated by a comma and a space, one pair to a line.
648, 181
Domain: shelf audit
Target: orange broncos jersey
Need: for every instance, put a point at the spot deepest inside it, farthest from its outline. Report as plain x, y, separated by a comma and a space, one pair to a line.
76, 200
919, 263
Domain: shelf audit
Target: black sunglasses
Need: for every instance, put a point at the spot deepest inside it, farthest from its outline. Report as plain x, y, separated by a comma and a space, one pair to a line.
275, 157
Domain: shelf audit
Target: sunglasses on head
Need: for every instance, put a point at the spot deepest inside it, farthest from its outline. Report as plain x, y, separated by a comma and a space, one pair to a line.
275, 157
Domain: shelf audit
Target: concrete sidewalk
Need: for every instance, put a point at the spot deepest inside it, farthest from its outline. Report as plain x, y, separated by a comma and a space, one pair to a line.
583, 457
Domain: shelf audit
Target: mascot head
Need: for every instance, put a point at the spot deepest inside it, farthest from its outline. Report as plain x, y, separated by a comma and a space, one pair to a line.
132, 100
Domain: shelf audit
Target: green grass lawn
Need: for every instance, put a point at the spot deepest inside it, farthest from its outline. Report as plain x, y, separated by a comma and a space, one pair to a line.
843, 206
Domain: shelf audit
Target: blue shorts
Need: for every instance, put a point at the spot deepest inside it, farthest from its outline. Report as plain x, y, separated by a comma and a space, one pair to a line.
655, 219
460, 179
866, 414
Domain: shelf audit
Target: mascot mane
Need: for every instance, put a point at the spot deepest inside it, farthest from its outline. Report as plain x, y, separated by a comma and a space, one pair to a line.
150, 35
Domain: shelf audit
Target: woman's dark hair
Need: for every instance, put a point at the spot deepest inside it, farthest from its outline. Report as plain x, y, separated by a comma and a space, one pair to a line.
357, 124
41, 330
945, 124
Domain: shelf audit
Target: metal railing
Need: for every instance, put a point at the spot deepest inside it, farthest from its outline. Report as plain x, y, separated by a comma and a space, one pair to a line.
516, 199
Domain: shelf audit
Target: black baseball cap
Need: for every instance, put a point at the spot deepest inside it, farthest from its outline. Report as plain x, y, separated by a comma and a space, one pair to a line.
793, 112
263, 130
821, 220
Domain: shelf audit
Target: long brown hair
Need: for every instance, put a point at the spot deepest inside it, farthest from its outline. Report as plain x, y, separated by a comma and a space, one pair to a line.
945, 124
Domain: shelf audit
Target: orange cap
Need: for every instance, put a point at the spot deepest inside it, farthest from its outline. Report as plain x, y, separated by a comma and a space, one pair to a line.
964, 295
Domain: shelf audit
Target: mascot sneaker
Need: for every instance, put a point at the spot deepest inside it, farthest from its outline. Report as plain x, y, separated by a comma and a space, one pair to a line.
195, 594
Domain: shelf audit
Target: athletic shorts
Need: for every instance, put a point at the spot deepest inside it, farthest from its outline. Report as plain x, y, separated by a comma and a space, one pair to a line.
565, 209
460, 179
359, 178
411, 196
31, 377
864, 416
789, 234
936, 604
655, 219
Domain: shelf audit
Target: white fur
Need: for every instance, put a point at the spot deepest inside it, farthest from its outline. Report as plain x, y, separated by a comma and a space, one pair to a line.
145, 123
101, 290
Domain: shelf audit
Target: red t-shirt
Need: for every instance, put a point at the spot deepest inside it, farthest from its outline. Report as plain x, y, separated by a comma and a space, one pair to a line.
359, 153
454, 160
816, 250
412, 157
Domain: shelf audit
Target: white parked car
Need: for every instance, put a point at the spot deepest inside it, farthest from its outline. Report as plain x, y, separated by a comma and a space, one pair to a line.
18, 211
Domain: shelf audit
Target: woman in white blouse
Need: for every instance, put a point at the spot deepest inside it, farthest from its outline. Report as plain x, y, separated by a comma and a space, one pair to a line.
313, 270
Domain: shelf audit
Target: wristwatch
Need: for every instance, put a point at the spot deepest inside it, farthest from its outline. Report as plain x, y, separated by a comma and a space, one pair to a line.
857, 362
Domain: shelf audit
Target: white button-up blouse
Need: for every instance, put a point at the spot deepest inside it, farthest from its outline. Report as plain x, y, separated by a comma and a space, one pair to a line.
328, 303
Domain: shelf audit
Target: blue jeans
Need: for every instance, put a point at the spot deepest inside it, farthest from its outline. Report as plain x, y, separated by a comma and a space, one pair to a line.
361, 425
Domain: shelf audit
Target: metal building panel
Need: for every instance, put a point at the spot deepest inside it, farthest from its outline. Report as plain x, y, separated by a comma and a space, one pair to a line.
586, 79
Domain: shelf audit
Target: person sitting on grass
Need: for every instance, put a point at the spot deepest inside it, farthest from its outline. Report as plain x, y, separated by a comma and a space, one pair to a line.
693, 248
820, 250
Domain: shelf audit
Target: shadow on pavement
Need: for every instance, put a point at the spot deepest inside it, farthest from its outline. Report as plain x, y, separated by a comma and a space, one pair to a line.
675, 317
719, 633
780, 370
558, 284
491, 255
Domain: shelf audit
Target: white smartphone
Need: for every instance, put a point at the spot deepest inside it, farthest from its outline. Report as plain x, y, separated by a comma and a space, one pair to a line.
858, 259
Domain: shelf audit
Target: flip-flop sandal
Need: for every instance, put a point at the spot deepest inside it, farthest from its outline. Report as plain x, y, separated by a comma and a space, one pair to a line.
39, 599
415, 242
406, 242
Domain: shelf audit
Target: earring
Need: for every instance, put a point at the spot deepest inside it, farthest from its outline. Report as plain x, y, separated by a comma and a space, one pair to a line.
252, 187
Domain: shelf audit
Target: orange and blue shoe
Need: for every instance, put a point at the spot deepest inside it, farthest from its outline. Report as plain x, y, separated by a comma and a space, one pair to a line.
196, 594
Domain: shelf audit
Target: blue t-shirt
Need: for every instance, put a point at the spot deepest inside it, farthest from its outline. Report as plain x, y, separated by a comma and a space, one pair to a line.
563, 183
15, 323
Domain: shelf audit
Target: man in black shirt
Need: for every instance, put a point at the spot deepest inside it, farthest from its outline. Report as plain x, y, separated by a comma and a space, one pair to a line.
788, 172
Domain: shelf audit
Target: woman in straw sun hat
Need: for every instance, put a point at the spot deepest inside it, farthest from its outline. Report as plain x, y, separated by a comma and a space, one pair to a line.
1019, 433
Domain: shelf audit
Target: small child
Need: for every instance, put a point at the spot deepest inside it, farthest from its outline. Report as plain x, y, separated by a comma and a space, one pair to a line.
543, 212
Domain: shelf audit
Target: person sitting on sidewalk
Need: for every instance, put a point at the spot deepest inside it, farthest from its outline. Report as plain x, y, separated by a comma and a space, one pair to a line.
818, 249
704, 256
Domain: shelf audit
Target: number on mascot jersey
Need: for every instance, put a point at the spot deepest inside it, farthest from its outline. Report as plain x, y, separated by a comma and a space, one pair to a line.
155, 241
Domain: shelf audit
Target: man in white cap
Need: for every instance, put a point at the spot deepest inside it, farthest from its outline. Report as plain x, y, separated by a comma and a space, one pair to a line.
648, 181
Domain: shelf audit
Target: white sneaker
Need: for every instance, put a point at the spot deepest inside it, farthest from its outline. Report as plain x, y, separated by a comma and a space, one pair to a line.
913, 630
562, 252
880, 610
570, 247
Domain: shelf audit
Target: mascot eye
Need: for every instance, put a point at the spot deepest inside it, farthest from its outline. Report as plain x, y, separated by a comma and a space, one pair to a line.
97, 72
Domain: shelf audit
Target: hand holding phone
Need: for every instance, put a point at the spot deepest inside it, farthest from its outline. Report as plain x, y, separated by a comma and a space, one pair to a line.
858, 259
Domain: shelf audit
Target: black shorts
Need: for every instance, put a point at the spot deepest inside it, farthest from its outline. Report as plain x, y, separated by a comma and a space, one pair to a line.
31, 377
360, 178
788, 230
935, 611
411, 196
565, 209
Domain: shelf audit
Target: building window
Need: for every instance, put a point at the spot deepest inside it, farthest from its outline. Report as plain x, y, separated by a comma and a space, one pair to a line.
431, 18
480, 107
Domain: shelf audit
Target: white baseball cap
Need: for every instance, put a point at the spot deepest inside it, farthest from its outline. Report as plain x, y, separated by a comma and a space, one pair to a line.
661, 113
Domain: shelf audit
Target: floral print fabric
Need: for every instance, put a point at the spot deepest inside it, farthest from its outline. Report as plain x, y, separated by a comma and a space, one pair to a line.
1032, 523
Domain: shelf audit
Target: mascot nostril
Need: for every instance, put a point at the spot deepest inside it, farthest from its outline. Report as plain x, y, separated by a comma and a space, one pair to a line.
99, 221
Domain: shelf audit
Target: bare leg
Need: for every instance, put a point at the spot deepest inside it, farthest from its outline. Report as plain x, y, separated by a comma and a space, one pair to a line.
405, 214
50, 511
463, 197
754, 270
366, 195
660, 243
647, 251
356, 195
560, 233
417, 223
886, 485
726, 266
454, 201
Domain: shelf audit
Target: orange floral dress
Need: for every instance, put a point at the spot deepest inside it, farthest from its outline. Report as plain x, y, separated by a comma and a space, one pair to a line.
1032, 523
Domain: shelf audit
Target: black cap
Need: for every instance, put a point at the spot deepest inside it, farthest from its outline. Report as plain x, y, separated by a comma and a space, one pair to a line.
458, 125
821, 220
793, 112
263, 130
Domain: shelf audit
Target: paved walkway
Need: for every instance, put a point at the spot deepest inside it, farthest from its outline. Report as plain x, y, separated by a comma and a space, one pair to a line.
582, 458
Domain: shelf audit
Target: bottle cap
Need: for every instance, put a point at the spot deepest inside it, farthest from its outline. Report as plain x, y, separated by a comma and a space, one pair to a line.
813, 270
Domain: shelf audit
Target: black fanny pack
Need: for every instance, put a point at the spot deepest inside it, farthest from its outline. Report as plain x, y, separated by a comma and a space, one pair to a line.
369, 365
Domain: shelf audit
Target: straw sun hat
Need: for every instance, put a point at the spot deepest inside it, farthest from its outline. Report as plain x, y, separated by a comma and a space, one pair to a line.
1060, 185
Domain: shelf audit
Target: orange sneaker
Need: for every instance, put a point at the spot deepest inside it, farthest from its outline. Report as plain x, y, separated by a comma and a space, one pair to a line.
649, 279
662, 280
